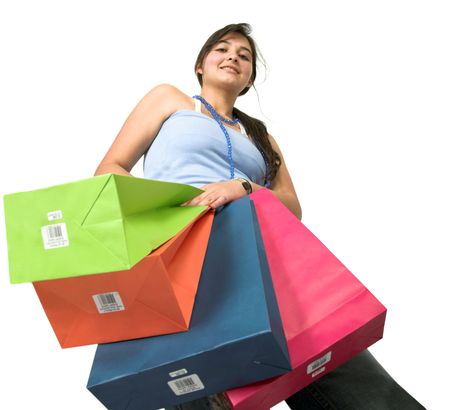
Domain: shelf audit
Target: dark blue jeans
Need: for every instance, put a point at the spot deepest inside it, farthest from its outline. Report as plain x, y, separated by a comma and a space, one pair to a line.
359, 384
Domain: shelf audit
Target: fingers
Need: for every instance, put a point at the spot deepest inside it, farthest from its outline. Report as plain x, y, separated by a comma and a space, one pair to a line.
212, 201
221, 200
199, 200
216, 194
209, 200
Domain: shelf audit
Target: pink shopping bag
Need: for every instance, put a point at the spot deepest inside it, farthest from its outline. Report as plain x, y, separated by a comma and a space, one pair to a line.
328, 315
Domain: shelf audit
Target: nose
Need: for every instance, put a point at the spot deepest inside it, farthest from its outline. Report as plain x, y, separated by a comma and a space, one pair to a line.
233, 58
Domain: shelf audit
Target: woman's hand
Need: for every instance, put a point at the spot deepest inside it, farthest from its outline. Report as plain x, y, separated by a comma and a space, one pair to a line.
218, 194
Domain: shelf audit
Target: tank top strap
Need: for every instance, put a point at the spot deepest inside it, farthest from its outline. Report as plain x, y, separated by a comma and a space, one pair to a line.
242, 129
198, 105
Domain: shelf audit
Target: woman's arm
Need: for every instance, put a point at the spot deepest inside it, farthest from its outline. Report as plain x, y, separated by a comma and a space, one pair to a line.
282, 186
139, 130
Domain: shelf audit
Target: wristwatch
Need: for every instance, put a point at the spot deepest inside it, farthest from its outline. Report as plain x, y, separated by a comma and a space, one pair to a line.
247, 185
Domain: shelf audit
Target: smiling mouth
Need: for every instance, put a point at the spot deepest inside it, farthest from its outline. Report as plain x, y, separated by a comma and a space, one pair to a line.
230, 69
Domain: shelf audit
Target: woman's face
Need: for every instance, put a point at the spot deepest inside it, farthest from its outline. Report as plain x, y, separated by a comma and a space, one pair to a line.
229, 63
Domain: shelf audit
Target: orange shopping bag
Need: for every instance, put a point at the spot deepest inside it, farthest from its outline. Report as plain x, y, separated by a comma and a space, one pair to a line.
154, 297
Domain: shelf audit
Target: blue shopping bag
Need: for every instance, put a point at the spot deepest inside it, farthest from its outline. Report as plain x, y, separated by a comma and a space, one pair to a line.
235, 338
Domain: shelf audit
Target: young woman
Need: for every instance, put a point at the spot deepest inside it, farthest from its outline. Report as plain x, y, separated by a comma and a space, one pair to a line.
206, 142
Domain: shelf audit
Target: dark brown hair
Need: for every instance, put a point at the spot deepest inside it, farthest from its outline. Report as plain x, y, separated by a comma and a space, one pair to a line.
255, 128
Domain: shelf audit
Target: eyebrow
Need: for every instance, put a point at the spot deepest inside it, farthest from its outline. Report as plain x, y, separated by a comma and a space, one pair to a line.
227, 42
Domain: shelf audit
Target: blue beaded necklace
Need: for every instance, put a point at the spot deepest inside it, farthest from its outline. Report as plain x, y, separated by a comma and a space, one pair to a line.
220, 120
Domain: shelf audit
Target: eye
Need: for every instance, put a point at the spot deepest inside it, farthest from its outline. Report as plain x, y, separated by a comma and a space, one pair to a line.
221, 49
244, 57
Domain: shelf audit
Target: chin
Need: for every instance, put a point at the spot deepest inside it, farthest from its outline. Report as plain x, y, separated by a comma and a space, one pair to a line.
232, 86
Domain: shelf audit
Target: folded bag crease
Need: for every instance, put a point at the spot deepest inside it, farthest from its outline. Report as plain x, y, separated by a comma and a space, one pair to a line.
337, 309
126, 262
94, 202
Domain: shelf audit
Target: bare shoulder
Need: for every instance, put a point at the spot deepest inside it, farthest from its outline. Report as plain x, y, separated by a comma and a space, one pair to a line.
167, 90
168, 98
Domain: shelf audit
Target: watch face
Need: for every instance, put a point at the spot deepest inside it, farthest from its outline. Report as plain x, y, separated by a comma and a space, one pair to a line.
247, 186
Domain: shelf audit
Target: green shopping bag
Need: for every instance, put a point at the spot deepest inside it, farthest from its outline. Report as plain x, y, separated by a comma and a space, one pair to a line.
100, 224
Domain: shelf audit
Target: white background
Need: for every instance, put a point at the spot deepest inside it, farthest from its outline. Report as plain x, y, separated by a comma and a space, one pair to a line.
357, 95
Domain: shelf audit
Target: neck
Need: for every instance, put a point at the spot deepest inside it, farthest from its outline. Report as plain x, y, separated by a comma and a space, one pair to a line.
222, 102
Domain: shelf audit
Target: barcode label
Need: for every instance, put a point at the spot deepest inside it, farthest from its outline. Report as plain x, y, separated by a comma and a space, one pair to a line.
55, 236
186, 384
52, 216
321, 370
108, 302
318, 363
178, 373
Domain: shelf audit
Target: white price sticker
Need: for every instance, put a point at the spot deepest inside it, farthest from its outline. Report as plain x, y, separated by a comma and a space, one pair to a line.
317, 372
108, 302
178, 373
54, 215
55, 236
318, 363
185, 385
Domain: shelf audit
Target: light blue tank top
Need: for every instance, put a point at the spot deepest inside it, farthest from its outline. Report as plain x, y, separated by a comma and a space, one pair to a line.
191, 148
